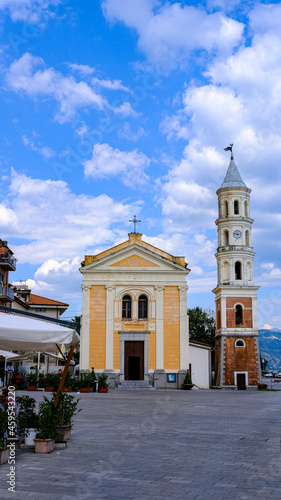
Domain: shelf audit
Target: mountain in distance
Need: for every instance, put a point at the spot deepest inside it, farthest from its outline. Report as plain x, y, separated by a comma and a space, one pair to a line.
270, 347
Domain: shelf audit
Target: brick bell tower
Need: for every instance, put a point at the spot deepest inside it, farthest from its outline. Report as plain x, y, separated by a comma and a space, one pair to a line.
237, 348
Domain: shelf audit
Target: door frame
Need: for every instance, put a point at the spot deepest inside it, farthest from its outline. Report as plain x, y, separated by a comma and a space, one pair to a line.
241, 373
133, 335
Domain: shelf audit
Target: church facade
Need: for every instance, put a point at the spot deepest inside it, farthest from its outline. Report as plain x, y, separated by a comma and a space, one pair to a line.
134, 320
237, 348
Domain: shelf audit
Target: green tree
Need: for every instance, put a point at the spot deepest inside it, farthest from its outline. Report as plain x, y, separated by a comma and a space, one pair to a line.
202, 325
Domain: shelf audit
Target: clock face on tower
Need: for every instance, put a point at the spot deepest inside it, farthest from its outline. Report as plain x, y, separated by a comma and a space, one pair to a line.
237, 234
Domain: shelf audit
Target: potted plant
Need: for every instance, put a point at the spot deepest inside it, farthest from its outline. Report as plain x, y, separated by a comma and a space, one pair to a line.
51, 382
32, 380
26, 419
103, 385
187, 383
48, 421
4, 449
85, 381
68, 383
67, 408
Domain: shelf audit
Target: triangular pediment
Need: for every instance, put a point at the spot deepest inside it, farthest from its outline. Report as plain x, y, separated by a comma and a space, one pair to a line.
134, 261
133, 258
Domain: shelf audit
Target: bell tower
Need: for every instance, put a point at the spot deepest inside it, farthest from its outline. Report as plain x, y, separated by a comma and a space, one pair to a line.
237, 349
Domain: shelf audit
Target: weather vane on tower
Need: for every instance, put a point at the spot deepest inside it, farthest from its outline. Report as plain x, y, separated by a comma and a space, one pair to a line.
135, 220
229, 148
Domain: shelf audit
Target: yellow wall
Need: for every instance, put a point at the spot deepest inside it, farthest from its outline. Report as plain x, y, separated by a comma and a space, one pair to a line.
97, 327
171, 307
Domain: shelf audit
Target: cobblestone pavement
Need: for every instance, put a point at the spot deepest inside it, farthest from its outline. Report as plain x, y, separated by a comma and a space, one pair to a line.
158, 445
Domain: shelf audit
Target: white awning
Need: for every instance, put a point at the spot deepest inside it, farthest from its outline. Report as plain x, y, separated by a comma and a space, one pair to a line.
7, 354
24, 334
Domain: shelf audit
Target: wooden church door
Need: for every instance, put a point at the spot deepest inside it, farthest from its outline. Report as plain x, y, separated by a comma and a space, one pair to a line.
134, 360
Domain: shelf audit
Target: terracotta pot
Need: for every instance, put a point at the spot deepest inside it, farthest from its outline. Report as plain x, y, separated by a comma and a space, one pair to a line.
31, 388
84, 389
66, 389
4, 455
49, 389
44, 445
103, 390
64, 432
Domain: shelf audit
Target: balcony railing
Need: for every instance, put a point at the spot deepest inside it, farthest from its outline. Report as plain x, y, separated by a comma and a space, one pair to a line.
8, 262
6, 293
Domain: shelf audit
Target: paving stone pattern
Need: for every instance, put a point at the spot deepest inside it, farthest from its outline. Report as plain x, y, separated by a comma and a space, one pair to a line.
159, 445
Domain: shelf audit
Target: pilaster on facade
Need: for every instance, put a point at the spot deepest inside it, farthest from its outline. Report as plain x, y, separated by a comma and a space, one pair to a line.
85, 328
159, 289
184, 328
110, 291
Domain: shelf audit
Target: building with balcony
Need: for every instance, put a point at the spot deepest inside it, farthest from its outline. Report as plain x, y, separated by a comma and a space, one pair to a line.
7, 263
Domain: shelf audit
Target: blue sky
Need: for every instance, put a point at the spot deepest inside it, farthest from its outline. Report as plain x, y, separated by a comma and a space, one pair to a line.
119, 107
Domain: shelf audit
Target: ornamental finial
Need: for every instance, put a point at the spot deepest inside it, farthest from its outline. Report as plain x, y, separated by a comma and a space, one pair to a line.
229, 148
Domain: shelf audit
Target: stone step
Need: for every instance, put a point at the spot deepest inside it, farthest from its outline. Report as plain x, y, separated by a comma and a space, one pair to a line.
135, 385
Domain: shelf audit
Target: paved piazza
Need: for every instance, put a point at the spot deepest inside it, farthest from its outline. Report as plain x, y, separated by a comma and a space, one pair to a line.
160, 445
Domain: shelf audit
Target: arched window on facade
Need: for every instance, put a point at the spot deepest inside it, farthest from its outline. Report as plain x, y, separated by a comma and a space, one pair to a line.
238, 270
240, 343
238, 315
142, 307
236, 207
225, 239
126, 307
226, 208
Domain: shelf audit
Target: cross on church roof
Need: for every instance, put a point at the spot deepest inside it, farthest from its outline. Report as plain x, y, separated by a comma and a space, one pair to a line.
135, 220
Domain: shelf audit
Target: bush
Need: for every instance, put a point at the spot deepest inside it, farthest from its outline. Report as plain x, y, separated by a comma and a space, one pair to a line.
103, 381
3, 428
67, 407
32, 378
187, 380
85, 380
50, 418
26, 417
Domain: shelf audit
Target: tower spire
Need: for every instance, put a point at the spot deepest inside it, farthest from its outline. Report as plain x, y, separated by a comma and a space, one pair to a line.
232, 177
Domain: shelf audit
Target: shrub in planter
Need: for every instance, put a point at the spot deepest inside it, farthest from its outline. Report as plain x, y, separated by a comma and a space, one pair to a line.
52, 381
187, 383
49, 417
26, 418
68, 382
67, 408
85, 380
32, 378
103, 385
4, 450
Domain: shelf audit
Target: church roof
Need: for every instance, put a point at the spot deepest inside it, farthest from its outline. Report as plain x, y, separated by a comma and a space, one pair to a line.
135, 239
233, 177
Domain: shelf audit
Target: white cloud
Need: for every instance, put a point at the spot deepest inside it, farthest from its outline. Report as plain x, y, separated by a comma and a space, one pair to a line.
83, 69
110, 84
126, 132
44, 151
32, 11
29, 75
56, 223
107, 162
266, 327
169, 33
125, 110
